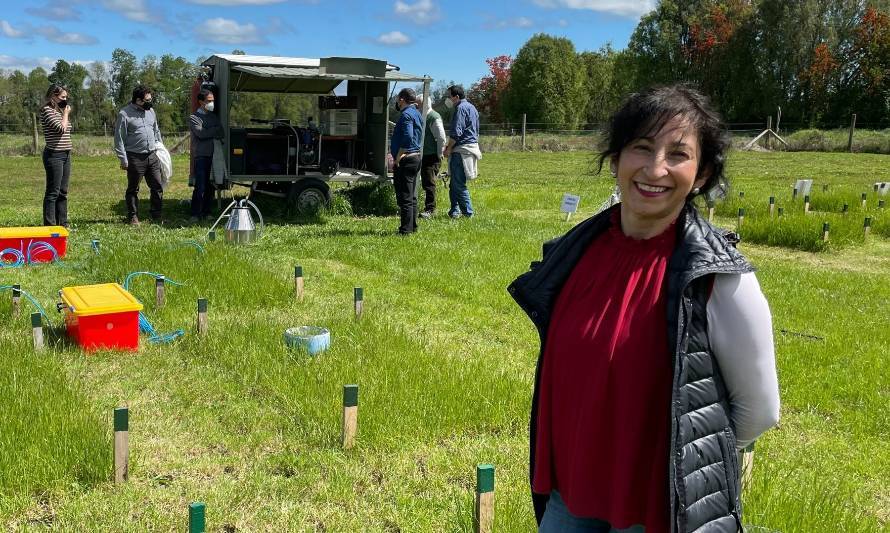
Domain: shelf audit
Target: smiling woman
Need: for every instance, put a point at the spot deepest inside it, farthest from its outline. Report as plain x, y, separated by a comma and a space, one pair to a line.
656, 335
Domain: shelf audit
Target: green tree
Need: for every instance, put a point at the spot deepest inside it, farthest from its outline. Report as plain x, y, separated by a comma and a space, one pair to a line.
548, 83
124, 74
72, 76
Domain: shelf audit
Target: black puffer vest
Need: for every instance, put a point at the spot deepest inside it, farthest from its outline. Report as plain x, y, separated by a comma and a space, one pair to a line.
703, 467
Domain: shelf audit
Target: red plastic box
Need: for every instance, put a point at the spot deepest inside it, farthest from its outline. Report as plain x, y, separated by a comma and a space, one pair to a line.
102, 317
22, 238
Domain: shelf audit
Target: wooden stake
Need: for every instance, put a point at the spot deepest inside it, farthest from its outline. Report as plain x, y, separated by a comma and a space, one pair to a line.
880, 204
867, 226
160, 295
781, 211
37, 330
350, 416
568, 216
845, 209
197, 520
711, 213
359, 299
824, 187
747, 465
211, 236
484, 519
202, 316
852, 129
806, 204
121, 444
16, 299
794, 194
523, 132
741, 217
772, 205
864, 200
298, 282
825, 227
741, 194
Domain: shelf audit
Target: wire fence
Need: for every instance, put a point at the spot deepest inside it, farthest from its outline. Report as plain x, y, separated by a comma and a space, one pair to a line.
19, 139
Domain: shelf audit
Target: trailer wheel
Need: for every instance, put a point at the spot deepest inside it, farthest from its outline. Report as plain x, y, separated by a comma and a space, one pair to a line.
309, 196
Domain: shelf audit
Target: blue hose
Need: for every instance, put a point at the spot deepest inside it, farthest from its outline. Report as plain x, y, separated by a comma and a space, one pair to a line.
19, 258
144, 325
195, 244
37, 247
31, 299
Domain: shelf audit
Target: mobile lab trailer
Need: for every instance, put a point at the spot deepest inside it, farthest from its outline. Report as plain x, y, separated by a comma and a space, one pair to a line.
349, 142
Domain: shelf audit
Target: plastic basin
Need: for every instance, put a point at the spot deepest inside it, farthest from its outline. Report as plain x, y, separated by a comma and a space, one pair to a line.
312, 339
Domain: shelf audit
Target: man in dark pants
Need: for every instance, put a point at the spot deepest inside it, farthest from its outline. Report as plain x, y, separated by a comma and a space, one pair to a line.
405, 150
136, 135
205, 128
433, 147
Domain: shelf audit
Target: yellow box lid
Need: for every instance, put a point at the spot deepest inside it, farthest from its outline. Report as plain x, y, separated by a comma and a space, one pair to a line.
39, 232
103, 299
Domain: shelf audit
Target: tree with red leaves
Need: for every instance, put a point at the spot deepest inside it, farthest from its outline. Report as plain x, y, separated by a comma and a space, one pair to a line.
487, 93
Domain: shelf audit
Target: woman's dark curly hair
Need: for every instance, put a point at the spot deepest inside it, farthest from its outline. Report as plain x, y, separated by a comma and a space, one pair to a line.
643, 114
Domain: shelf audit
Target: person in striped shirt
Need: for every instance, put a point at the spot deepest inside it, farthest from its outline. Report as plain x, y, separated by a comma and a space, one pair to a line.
56, 155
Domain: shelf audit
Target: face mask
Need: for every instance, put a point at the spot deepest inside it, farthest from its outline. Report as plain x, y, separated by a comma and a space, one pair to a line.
449, 103
147, 105
209, 107
63, 104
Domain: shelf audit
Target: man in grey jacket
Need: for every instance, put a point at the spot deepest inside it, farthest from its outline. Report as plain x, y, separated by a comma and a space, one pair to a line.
136, 136
205, 127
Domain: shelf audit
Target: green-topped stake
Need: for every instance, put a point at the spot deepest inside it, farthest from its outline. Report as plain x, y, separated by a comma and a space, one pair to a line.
197, 520
864, 200
772, 205
298, 282
741, 218
37, 330
350, 416
781, 211
866, 226
825, 227
824, 187
806, 204
880, 204
16, 299
845, 209
121, 444
741, 194
484, 519
711, 212
202, 316
160, 292
359, 298
211, 236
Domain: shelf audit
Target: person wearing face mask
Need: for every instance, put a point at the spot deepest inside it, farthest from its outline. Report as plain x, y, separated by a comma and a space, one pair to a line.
462, 151
56, 155
205, 128
136, 136
405, 150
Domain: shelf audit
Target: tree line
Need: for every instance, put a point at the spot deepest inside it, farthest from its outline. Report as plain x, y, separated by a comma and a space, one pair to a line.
819, 60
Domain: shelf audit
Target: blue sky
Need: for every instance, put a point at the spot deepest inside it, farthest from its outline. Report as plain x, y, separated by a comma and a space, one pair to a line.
446, 40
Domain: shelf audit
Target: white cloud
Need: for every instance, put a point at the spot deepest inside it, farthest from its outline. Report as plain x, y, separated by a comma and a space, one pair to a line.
517, 22
135, 10
226, 31
26, 64
58, 36
625, 8
54, 12
393, 38
422, 12
9, 31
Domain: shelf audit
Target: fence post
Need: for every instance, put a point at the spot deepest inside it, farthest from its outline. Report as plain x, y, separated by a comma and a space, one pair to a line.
769, 126
778, 119
523, 132
852, 128
35, 140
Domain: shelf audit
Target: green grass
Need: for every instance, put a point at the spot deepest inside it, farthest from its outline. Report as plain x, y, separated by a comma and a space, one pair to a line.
443, 358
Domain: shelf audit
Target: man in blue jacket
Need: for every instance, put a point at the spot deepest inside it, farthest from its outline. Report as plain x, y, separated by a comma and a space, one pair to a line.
405, 149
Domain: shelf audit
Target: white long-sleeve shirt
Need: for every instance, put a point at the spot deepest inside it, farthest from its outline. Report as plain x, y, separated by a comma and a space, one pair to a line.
741, 335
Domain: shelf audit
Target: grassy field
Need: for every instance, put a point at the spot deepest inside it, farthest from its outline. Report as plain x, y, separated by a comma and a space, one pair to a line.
443, 358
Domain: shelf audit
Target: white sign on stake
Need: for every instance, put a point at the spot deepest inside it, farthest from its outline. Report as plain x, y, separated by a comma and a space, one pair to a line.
570, 204
883, 188
803, 187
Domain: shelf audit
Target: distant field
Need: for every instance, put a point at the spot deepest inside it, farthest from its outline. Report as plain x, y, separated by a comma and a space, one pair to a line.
443, 358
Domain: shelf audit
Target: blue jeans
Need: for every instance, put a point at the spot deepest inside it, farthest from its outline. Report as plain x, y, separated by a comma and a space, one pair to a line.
558, 519
457, 191
202, 195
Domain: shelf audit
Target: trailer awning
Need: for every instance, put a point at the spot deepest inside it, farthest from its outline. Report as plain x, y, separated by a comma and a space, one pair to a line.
292, 79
